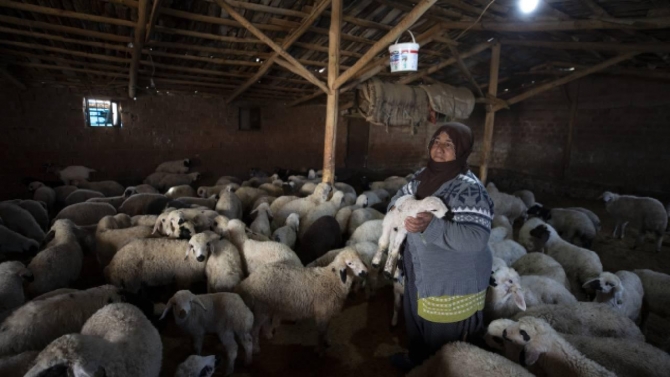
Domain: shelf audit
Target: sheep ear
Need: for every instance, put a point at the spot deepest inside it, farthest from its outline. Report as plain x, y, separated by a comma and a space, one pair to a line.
254, 211
519, 300
156, 226
593, 284
49, 237
167, 309
187, 251
343, 275
197, 301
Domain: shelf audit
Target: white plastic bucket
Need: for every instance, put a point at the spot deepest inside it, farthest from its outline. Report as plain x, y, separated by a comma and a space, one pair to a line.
404, 56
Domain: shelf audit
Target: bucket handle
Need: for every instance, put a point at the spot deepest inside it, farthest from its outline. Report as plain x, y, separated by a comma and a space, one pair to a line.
410, 33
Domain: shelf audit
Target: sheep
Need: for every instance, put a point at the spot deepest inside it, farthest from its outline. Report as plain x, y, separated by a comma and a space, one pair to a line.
586, 318
86, 213
656, 298
227, 179
248, 196
460, 359
497, 263
185, 222
504, 296
281, 291
505, 204
494, 339
13, 242
542, 290
647, 213
394, 232
526, 196
12, 276
200, 366
209, 203
140, 189
176, 192
345, 188
541, 265
302, 206
54, 293
34, 325
278, 203
107, 188
62, 192
360, 216
38, 210
43, 193
501, 221
170, 180
110, 236
74, 173
288, 233
623, 291
263, 199
592, 216
82, 195
208, 191
139, 204
369, 231
223, 264
329, 208
569, 224
374, 197
274, 188
118, 340
114, 201
344, 214
256, 253
175, 167
321, 237
580, 265
261, 223
21, 221
507, 250
17, 365
143, 220
554, 356
223, 314
390, 184
307, 188
60, 263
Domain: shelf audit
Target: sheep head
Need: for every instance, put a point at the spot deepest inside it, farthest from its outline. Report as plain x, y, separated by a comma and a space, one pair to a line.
181, 305
534, 335
434, 206
539, 211
34, 186
608, 196
202, 245
504, 285
608, 288
539, 235
293, 220
349, 263
195, 365
494, 333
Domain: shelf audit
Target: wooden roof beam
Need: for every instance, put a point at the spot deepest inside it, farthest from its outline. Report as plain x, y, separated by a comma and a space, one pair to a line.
155, 9
64, 13
202, 59
9, 77
65, 51
416, 76
567, 25
58, 38
140, 36
195, 34
601, 46
64, 29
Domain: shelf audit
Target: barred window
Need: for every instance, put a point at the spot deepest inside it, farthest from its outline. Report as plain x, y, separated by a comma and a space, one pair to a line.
102, 113
250, 119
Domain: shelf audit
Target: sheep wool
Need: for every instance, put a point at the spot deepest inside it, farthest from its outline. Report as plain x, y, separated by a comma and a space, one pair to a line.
12, 276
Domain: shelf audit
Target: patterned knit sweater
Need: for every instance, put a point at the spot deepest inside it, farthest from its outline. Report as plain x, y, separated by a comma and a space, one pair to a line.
451, 257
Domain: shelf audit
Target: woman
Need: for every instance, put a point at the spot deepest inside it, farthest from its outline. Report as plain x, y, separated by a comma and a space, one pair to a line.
447, 263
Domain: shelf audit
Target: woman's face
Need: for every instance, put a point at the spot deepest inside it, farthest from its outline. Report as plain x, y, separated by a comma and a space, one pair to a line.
443, 149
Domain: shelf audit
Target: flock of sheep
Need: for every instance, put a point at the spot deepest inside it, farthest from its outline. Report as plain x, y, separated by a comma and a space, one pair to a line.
292, 248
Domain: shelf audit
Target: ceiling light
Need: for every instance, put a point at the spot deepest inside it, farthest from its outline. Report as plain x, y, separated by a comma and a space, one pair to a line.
196, 92
571, 69
134, 98
490, 39
258, 60
322, 70
527, 6
507, 90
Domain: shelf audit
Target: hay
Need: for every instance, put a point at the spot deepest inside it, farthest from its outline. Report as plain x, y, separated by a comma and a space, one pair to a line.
452, 102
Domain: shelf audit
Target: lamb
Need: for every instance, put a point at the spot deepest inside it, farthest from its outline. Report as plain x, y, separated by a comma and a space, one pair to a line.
360, 216
369, 231
223, 314
118, 340
223, 264
12, 276
505, 204
200, 366
504, 296
374, 197
87, 213
592, 216
111, 235
526, 196
248, 196
656, 298
344, 214
348, 190
261, 224
170, 180
569, 224
501, 221
176, 192
154, 262
394, 232
304, 205
34, 325
586, 318
209, 203
541, 265
623, 291
175, 167
21, 221
107, 188
542, 290
139, 204
536, 242
17, 365
281, 291
390, 184
460, 359
114, 201
60, 263
275, 188
13, 242
208, 191
289, 232
185, 222
74, 173
43, 193
647, 213
140, 189
507, 250
38, 210
82, 195
329, 208
278, 203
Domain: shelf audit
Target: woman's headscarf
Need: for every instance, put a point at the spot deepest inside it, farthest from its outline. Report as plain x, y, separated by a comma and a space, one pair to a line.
437, 173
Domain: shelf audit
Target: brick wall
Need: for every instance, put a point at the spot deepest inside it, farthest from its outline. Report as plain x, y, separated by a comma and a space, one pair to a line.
47, 126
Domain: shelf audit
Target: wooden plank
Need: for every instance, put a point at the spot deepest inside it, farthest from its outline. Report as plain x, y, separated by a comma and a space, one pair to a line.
217, 20
490, 114
211, 50
564, 80
140, 36
202, 59
567, 25
416, 76
571, 126
268, 9
88, 55
65, 29
50, 58
590, 46
64, 13
385, 41
65, 68
299, 68
58, 38
332, 103
9, 77
195, 34
295, 70
153, 18
430, 16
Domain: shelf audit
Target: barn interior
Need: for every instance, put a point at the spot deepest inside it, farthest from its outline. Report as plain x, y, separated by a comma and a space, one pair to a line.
264, 99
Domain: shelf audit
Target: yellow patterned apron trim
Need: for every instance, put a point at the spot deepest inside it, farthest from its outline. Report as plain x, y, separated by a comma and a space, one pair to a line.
449, 309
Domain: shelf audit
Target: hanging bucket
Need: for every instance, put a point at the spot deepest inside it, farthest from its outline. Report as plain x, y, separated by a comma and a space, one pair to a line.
404, 56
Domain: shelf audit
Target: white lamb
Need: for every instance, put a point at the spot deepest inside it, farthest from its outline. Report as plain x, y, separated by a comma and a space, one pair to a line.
176, 192
200, 366
229, 205
505, 204
12, 276
223, 265
118, 340
288, 234
88, 213
623, 291
328, 208
541, 265
394, 232
656, 298
21, 221
175, 167
369, 231
13, 242
74, 173
114, 232
571, 225
646, 213
302, 206
280, 291
261, 224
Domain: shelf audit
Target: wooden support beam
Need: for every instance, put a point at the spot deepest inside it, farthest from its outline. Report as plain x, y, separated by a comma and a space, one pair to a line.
430, 16
566, 25
50, 58
286, 44
295, 70
9, 77
64, 29
590, 46
299, 68
65, 51
82, 42
218, 20
490, 114
81, 70
140, 36
202, 59
385, 41
595, 8
333, 101
564, 80
64, 13
152, 19
268, 9
464, 69
416, 76
571, 126
214, 37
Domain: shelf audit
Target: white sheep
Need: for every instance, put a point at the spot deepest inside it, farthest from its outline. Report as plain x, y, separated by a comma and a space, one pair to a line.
526, 196
208, 191
278, 203
586, 318
329, 208
390, 184
369, 231
62, 192
21, 221
43, 193
394, 232
143, 220
543, 290
82, 195
541, 265
570, 225
503, 221
302, 206
623, 291
592, 216
195, 365
497, 263
209, 203
114, 232
87, 213
34, 325
175, 167
107, 188
505, 204
646, 213
280, 291
288, 233
230, 205
170, 180
261, 224
140, 189
223, 180
360, 216
223, 314
139, 204
223, 265
60, 263
656, 297
344, 214
504, 296
154, 262
275, 188
507, 250
373, 197
17, 365
114, 201
118, 340
37, 209
176, 192
74, 173
13, 242
248, 195
12, 276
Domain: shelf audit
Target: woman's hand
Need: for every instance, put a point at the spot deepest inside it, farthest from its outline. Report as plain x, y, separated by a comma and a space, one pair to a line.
419, 223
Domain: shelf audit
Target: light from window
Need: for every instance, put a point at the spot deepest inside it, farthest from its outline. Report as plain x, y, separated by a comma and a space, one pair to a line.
250, 118
102, 113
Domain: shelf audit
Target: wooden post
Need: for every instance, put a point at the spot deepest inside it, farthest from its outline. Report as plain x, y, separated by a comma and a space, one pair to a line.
332, 104
9, 77
490, 114
571, 125
152, 19
140, 32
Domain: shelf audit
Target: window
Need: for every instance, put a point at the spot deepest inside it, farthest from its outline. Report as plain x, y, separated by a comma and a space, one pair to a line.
250, 118
102, 113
